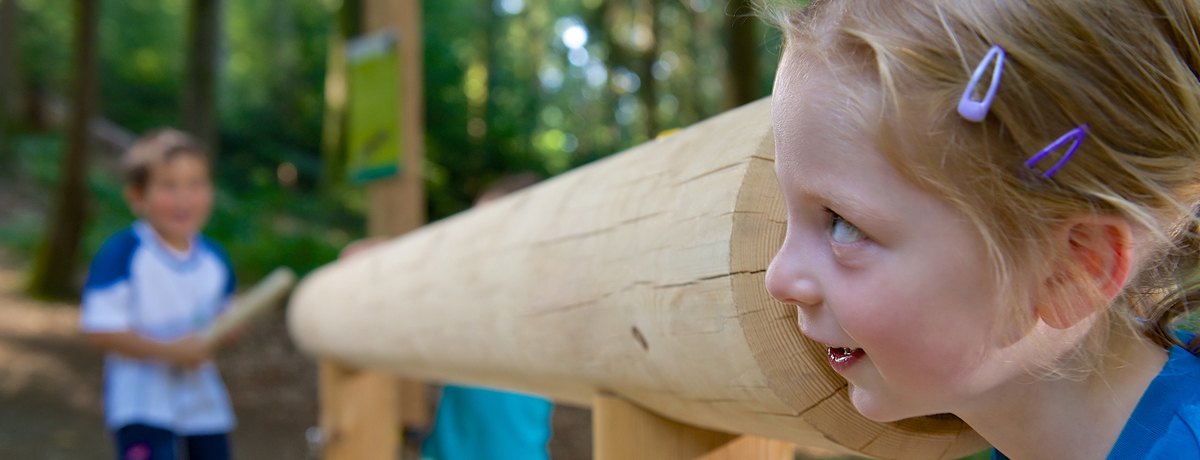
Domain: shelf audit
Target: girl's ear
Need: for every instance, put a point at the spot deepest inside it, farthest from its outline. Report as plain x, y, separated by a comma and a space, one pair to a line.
1097, 261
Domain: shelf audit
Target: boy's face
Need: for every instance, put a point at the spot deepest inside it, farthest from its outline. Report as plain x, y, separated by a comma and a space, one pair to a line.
178, 196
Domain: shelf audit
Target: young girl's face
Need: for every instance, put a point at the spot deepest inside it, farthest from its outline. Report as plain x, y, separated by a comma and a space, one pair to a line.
893, 276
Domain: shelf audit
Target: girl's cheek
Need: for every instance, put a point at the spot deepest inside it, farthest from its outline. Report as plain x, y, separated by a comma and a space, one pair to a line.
877, 314
856, 256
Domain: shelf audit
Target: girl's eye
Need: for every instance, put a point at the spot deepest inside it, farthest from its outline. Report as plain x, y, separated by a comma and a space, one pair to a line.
842, 231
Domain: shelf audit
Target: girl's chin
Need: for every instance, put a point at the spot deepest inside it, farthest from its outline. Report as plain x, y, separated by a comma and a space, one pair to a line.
875, 407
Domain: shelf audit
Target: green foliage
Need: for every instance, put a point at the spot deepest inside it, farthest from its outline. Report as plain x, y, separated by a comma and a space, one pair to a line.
271, 89
142, 51
275, 227
37, 158
46, 31
504, 94
271, 96
270, 108
265, 227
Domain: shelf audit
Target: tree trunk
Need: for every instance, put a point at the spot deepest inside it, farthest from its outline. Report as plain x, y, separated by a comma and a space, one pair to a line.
743, 54
199, 104
54, 269
645, 71
285, 56
350, 18
11, 81
334, 128
618, 57
489, 146
601, 112
691, 103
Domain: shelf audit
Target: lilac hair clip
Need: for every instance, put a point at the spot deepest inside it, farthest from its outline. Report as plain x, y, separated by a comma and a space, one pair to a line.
1075, 136
977, 110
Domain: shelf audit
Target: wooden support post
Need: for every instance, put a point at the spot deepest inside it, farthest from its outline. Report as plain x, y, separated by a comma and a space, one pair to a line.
363, 412
753, 448
624, 431
358, 413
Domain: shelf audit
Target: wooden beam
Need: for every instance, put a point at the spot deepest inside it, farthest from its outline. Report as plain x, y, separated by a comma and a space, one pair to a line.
753, 448
364, 411
358, 413
641, 275
624, 431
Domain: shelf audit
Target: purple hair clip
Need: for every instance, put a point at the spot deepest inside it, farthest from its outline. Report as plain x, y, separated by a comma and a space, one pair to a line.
977, 110
1075, 136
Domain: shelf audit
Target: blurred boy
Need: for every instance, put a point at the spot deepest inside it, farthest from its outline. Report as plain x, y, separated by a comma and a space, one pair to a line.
153, 288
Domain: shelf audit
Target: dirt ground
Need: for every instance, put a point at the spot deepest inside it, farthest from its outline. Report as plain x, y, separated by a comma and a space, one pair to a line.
51, 399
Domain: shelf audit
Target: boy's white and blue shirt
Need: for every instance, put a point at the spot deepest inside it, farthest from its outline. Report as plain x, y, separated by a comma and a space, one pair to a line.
137, 283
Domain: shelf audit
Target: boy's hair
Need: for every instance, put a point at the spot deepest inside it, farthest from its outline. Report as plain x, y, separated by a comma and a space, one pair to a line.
1125, 67
157, 147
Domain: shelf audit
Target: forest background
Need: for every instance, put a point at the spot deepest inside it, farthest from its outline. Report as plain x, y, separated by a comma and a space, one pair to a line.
510, 86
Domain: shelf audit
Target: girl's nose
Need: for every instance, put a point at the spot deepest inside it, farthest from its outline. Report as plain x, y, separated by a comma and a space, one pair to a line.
790, 281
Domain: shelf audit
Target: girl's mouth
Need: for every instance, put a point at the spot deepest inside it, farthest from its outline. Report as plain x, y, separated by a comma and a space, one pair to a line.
842, 358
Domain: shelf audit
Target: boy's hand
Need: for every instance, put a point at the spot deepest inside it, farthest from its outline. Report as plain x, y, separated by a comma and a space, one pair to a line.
232, 336
189, 352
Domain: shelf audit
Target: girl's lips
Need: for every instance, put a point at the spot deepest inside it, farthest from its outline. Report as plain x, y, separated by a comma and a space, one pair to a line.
842, 358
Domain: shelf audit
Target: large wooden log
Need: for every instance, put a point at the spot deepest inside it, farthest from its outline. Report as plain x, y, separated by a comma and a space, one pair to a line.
640, 276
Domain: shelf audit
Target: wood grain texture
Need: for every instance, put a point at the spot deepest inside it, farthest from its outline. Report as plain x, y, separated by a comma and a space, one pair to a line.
641, 275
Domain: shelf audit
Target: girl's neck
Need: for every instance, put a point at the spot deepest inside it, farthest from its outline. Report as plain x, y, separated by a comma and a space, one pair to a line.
1056, 418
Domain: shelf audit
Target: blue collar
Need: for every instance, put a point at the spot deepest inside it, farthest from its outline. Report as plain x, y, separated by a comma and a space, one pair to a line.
168, 256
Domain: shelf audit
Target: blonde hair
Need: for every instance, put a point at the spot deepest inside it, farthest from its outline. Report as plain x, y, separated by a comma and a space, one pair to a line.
1125, 67
157, 147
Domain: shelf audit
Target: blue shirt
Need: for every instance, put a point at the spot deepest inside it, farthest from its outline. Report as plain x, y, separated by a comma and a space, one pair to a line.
483, 424
1165, 425
139, 284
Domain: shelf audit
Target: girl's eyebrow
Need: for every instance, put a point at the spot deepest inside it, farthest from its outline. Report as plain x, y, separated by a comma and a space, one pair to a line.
855, 208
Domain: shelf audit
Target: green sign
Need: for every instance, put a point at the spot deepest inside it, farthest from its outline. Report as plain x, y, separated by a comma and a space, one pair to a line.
373, 114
